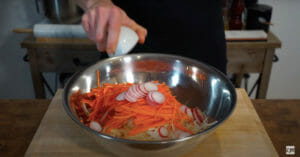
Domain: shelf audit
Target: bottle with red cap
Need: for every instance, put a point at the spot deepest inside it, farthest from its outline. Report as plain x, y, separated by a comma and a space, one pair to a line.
237, 10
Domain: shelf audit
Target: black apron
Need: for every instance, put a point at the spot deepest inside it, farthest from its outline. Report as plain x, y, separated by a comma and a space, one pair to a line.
188, 28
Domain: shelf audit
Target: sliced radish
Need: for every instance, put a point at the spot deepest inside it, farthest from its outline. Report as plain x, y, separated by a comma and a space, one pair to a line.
139, 94
197, 115
153, 133
163, 132
151, 102
150, 95
138, 91
182, 108
121, 96
129, 94
95, 126
158, 97
141, 87
188, 111
129, 97
132, 93
149, 86
154, 98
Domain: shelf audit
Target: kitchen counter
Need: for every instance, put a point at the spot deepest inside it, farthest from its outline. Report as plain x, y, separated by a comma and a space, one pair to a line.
20, 118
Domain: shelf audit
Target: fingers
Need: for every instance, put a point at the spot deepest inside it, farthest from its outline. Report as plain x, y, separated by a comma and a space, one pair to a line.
101, 46
92, 24
141, 31
114, 28
85, 24
103, 24
88, 23
101, 28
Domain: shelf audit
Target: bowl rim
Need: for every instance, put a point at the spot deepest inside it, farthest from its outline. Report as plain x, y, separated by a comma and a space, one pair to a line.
130, 141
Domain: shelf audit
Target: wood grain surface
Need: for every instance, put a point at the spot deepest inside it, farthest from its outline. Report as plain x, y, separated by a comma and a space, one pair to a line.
241, 135
19, 119
281, 119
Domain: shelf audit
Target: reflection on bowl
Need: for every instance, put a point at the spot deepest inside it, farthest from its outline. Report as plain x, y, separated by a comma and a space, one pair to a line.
214, 95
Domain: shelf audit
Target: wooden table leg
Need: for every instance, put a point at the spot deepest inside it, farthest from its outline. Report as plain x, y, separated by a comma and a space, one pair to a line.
239, 77
265, 74
36, 74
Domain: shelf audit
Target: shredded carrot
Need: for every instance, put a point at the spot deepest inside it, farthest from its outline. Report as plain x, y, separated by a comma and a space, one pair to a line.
98, 78
113, 114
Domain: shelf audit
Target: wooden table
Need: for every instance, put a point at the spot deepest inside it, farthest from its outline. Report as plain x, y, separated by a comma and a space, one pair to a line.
19, 120
67, 56
281, 119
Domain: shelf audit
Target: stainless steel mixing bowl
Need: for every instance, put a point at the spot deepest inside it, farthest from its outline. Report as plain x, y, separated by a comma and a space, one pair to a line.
215, 96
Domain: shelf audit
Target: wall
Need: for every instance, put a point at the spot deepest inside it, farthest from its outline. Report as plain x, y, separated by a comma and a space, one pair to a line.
285, 77
15, 78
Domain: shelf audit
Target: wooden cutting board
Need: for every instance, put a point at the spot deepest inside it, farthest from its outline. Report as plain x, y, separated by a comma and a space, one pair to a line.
241, 135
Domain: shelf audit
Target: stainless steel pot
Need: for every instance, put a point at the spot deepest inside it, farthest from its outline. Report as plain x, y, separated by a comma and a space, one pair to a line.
60, 11
216, 97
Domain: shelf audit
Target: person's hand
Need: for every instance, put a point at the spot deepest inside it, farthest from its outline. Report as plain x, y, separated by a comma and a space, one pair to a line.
102, 23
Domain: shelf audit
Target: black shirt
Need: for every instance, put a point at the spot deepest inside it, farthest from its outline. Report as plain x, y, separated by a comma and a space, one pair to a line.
188, 28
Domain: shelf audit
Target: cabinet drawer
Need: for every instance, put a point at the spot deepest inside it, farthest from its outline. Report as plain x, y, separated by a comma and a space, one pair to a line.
247, 60
54, 60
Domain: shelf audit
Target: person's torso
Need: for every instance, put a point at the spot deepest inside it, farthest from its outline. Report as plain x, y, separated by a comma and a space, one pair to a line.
189, 28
